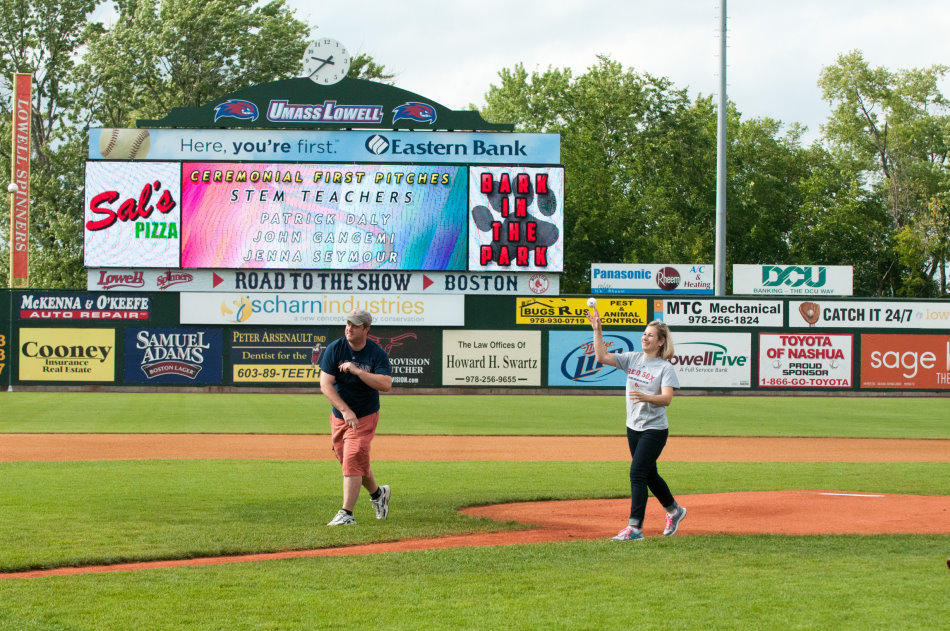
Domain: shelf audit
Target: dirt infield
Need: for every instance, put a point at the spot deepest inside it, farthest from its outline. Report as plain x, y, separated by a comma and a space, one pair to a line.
787, 512
66, 447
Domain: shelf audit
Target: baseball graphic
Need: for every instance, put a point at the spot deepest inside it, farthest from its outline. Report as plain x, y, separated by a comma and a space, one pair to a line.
592, 302
124, 144
810, 312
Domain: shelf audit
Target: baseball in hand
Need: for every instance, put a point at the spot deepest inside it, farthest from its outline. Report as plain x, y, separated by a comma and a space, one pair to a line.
591, 302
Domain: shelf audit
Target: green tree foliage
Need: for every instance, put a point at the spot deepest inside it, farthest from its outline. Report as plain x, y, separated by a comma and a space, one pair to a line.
840, 222
183, 53
154, 55
363, 66
640, 162
618, 151
43, 37
895, 127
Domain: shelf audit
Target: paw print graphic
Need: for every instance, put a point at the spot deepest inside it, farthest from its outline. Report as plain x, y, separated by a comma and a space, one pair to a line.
516, 218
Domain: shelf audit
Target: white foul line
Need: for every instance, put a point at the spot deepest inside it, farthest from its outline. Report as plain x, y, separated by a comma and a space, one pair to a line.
851, 494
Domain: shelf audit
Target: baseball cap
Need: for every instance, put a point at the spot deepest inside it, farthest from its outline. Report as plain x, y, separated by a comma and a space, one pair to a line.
360, 317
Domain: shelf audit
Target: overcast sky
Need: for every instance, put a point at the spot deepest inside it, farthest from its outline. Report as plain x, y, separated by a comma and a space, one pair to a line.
451, 51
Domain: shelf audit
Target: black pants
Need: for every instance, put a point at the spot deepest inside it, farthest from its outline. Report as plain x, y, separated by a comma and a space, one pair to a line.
645, 449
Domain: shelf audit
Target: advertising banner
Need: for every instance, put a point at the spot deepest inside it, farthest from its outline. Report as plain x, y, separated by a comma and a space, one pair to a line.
491, 358
320, 309
573, 311
323, 216
793, 280
21, 115
277, 356
5, 333
285, 145
668, 278
291, 281
73, 306
909, 362
720, 313
4, 358
133, 214
67, 354
805, 360
869, 315
413, 355
713, 360
516, 219
571, 359
173, 356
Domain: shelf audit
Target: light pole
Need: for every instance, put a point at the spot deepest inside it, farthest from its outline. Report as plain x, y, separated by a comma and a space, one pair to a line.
720, 284
12, 189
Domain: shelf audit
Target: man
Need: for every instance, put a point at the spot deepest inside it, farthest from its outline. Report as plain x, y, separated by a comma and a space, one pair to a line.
353, 371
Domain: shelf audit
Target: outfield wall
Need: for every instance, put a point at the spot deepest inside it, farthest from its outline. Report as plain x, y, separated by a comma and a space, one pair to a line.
227, 341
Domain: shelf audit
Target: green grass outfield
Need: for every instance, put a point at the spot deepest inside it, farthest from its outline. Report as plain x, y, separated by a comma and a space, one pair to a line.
80, 513
482, 414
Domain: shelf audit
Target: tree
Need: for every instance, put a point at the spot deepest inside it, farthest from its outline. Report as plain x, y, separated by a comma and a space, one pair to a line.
896, 127
183, 53
43, 37
363, 66
640, 162
619, 149
843, 223
158, 54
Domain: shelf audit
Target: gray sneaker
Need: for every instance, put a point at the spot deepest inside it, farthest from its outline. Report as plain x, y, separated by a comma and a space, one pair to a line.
673, 521
628, 534
342, 519
381, 505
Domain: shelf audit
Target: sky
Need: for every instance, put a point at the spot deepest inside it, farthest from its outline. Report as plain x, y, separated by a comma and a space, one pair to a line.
451, 51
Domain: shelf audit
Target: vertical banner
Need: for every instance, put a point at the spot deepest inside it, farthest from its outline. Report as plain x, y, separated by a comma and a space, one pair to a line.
5, 330
20, 177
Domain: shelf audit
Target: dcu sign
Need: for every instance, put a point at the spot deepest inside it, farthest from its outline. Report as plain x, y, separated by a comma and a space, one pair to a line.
793, 280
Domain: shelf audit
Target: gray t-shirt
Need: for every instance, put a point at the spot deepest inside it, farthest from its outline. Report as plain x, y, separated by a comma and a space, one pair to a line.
647, 374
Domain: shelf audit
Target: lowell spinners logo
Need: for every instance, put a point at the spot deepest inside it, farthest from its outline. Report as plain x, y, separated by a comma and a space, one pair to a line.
236, 108
421, 112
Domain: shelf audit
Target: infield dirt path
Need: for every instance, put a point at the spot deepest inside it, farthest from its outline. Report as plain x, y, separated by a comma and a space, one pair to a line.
65, 447
786, 512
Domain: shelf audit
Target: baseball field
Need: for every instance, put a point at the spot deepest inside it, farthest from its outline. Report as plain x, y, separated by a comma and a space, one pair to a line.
207, 511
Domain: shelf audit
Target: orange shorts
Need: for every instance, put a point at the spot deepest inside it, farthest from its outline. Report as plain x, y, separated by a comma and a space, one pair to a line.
351, 446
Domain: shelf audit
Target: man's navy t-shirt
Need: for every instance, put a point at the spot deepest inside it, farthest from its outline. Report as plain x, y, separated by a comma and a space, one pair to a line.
372, 358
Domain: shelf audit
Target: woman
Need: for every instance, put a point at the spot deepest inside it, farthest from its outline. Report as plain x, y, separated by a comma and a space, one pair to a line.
650, 384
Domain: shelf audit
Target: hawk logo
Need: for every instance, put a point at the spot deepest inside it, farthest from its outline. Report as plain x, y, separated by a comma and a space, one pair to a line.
420, 112
235, 108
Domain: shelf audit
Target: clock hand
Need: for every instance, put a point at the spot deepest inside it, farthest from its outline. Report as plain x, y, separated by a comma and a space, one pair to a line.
328, 60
